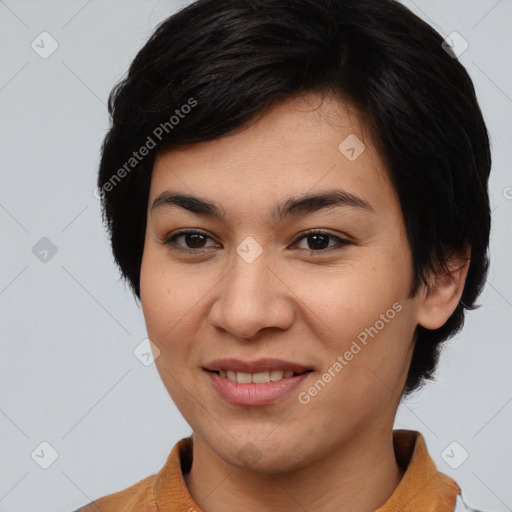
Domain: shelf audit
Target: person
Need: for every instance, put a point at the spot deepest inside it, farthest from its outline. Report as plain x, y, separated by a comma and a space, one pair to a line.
296, 192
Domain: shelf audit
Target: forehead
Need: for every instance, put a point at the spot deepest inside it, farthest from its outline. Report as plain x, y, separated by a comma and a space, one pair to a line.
304, 144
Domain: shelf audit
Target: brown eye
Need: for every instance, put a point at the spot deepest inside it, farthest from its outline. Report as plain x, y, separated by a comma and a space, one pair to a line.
318, 241
190, 240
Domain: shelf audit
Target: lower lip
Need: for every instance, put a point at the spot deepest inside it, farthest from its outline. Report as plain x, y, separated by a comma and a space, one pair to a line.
255, 394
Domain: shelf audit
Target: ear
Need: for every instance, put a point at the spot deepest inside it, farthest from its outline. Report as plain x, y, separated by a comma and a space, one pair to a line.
440, 299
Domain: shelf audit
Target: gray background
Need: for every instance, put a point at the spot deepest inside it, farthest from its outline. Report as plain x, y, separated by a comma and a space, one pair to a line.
69, 326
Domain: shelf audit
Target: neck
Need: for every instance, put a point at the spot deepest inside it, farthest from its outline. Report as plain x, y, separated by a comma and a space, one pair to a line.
359, 476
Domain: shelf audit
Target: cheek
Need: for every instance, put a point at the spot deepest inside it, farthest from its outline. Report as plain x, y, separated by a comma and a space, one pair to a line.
362, 315
359, 382
168, 296
174, 306
165, 308
345, 300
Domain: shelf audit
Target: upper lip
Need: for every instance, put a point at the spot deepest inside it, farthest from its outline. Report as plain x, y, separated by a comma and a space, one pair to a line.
260, 365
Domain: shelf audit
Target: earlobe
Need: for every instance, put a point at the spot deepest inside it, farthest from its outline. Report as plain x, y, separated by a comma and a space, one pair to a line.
441, 298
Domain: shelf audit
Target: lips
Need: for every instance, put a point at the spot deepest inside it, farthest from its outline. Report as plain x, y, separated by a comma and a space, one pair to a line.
255, 383
255, 393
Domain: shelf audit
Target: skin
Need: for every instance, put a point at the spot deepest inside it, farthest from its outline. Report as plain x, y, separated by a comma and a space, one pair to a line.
334, 453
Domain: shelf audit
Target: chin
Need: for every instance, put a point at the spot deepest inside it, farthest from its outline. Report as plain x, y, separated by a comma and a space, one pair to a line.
272, 456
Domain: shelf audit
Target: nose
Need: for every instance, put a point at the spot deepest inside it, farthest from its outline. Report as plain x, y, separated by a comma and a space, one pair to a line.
252, 297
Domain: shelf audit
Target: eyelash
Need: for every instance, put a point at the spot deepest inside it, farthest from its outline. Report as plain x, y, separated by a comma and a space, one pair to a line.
169, 241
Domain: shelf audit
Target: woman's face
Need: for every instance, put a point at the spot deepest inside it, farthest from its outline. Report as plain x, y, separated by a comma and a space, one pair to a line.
249, 284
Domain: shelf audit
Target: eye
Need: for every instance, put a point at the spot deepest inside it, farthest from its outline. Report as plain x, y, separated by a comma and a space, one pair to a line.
194, 241
319, 241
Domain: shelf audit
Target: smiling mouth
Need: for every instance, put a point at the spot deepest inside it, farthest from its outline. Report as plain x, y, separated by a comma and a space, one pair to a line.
259, 377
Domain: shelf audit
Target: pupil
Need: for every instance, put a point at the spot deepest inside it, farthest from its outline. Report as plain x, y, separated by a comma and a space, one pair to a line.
319, 245
194, 238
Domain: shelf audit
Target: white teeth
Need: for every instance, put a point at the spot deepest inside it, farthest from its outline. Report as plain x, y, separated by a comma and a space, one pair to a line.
276, 375
261, 377
243, 378
257, 378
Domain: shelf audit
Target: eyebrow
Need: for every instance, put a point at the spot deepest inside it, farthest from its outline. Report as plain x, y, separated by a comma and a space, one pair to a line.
293, 206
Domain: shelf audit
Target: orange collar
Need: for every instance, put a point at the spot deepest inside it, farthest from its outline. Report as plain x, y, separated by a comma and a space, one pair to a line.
422, 489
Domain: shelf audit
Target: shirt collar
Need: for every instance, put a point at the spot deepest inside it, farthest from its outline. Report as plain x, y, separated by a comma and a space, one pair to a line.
422, 488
